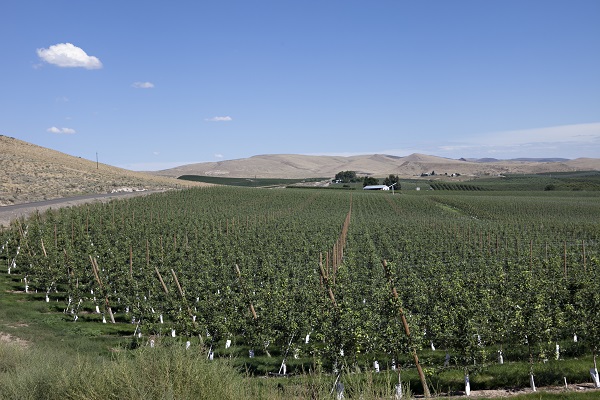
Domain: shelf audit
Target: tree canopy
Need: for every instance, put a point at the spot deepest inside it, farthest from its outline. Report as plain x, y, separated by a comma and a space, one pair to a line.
369, 180
391, 179
346, 176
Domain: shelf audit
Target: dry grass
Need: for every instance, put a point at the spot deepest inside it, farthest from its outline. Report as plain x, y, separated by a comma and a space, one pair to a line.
293, 166
34, 173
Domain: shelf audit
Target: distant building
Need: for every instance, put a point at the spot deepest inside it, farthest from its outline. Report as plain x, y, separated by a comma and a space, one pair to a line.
376, 187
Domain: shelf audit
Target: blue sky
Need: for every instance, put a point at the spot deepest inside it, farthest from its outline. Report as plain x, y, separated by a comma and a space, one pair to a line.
150, 85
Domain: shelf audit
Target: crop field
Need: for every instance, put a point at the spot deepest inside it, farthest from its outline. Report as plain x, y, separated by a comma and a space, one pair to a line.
292, 282
247, 182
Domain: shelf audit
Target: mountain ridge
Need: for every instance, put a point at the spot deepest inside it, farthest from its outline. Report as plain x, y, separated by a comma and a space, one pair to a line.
32, 173
312, 166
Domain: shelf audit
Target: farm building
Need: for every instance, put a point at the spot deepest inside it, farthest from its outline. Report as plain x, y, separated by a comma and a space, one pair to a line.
376, 187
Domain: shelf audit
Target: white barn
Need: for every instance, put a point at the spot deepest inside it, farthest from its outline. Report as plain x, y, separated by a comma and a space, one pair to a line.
376, 187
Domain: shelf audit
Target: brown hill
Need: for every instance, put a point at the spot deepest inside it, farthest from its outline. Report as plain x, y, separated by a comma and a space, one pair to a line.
33, 173
378, 165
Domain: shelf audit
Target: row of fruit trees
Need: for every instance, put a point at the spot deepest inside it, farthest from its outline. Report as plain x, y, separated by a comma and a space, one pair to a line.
483, 277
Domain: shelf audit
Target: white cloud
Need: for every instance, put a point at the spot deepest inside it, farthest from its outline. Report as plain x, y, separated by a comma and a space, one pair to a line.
68, 55
219, 119
218, 155
155, 153
63, 131
566, 141
580, 133
142, 85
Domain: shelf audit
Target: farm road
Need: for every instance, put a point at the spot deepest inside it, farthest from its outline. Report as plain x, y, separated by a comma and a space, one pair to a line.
9, 213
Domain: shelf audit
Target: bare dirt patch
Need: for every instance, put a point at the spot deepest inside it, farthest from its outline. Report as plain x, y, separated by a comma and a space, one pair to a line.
8, 338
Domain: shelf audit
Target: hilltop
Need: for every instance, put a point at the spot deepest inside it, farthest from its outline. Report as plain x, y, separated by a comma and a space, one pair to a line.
34, 173
294, 166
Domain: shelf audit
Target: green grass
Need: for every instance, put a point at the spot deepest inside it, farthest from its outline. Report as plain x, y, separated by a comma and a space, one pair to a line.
562, 182
91, 360
159, 373
247, 182
567, 181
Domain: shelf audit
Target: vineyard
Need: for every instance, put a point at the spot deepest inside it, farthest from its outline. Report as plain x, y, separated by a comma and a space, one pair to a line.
292, 281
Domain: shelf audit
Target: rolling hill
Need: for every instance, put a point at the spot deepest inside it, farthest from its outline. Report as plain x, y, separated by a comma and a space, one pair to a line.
294, 166
33, 173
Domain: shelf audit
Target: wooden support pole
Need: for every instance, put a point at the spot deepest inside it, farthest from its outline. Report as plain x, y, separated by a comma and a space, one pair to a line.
130, 262
177, 282
565, 258
239, 274
44, 248
325, 278
583, 253
407, 331
161, 281
96, 270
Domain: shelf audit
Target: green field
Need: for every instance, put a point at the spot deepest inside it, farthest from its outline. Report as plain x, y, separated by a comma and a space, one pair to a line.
561, 181
298, 275
248, 182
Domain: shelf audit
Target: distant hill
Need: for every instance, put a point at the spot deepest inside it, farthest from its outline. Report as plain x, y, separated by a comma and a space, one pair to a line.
294, 166
487, 160
33, 173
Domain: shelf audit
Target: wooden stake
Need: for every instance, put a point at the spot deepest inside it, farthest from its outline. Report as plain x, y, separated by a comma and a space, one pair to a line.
161, 281
96, 270
44, 248
239, 274
177, 282
130, 262
565, 258
407, 331
325, 278
583, 252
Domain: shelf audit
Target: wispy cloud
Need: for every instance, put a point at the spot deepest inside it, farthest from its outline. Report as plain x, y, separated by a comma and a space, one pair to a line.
219, 119
142, 85
582, 133
568, 141
61, 131
69, 56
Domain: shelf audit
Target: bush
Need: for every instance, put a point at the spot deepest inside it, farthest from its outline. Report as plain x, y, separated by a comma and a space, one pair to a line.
157, 373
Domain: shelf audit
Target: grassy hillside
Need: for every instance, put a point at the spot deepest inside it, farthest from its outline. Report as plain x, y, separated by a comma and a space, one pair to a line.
295, 166
34, 173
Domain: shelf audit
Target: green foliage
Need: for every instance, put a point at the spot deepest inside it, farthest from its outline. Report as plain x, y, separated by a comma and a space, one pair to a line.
346, 176
439, 185
369, 180
391, 180
146, 373
247, 182
476, 272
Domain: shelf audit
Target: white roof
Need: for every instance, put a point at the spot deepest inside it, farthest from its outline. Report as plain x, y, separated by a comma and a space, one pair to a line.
376, 187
